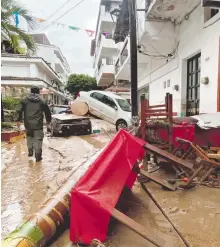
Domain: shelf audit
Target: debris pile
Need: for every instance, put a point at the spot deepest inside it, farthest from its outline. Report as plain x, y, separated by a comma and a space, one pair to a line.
191, 163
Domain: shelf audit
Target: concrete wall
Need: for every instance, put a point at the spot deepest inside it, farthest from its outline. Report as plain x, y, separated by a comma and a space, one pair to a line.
15, 69
194, 36
47, 53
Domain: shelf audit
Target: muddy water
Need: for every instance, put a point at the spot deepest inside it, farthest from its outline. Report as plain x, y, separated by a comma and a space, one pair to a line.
26, 184
195, 212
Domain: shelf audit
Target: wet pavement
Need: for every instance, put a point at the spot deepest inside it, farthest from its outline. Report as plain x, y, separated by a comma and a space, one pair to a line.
26, 184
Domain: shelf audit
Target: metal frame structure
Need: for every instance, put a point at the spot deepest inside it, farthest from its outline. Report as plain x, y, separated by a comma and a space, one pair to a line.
163, 112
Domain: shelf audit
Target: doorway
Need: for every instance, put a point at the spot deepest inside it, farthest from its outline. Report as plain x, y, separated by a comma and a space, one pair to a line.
193, 85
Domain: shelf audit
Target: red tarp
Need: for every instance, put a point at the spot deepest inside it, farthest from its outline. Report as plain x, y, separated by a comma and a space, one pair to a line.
97, 192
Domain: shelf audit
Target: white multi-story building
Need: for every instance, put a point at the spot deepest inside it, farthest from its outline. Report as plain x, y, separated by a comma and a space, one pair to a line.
47, 69
178, 52
104, 49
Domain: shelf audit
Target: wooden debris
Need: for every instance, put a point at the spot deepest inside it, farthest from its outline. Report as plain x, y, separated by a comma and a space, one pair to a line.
158, 180
138, 228
79, 108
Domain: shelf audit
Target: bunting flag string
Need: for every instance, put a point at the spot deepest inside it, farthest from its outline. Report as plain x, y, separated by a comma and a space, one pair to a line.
88, 31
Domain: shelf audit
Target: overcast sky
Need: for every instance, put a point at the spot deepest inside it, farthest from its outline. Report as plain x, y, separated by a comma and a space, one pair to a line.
75, 45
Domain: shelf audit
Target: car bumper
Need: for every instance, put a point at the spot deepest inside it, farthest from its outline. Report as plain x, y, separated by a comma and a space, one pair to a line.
72, 128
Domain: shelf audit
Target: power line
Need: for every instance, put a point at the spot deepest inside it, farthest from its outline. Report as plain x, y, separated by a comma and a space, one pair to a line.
63, 14
58, 9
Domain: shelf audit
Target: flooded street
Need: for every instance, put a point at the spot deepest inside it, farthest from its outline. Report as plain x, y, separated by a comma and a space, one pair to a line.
26, 185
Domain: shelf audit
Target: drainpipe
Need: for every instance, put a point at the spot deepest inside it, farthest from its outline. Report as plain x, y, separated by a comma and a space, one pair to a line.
2, 112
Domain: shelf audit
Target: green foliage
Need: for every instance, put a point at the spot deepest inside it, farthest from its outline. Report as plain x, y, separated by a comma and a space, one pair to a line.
10, 103
6, 125
8, 29
81, 82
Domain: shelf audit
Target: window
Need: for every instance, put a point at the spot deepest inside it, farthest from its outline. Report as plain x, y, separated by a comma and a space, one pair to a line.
97, 96
107, 8
209, 13
109, 102
168, 83
164, 84
214, 12
123, 103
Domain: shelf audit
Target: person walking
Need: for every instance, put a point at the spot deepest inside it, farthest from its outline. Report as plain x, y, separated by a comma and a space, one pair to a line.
34, 109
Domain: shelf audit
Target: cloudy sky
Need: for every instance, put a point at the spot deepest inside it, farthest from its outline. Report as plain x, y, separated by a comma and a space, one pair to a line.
75, 45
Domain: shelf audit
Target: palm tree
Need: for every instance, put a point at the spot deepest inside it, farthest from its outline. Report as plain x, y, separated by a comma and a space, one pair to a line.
8, 29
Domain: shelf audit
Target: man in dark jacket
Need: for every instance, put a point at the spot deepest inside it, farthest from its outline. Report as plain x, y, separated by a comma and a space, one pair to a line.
34, 107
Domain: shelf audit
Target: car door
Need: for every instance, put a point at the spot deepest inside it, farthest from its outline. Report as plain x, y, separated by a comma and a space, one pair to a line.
109, 109
95, 102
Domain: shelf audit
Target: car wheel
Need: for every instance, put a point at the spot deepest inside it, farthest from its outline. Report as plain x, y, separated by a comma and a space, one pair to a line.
121, 124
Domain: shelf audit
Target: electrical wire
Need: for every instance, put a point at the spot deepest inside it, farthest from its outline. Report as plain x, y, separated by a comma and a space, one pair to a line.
58, 9
63, 14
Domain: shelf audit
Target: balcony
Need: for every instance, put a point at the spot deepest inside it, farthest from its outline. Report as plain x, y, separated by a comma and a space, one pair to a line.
122, 65
105, 48
172, 10
105, 74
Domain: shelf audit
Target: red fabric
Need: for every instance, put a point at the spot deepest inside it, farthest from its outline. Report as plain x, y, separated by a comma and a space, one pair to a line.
210, 137
97, 192
186, 132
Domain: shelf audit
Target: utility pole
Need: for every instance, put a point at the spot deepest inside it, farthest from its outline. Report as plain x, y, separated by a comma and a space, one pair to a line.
133, 58
2, 111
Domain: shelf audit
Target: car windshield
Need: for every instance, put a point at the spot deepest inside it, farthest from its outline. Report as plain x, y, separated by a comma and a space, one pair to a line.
57, 109
123, 103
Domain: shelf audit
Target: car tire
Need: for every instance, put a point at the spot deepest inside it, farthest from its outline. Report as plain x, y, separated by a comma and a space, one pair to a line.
121, 124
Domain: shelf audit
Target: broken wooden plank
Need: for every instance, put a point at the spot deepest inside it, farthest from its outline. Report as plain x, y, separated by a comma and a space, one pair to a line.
168, 156
157, 180
213, 156
138, 228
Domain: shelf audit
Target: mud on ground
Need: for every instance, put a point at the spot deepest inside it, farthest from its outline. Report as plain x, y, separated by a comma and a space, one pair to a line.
25, 185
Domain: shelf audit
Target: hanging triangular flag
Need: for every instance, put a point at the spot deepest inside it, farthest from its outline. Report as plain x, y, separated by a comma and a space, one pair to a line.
40, 20
90, 32
74, 28
105, 34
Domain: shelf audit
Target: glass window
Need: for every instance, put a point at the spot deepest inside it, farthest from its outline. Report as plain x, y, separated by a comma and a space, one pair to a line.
58, 110
109, 102
123, 103
164, 84
97, 96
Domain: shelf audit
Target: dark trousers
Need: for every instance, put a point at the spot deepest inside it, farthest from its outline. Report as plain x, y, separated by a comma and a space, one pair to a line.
35, 141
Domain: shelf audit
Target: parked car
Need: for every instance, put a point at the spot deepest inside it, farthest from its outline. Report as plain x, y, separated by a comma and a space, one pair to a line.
108, 106
64, 122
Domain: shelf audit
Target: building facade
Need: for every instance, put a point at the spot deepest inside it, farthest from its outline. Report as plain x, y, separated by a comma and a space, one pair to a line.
47, 68
178, 52
106, 51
